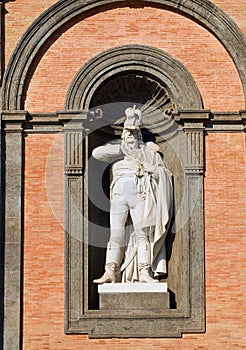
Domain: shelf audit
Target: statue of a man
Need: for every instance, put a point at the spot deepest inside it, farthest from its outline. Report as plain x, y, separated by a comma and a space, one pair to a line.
141, 187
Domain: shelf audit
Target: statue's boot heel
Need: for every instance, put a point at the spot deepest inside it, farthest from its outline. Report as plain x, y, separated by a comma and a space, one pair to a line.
109, 276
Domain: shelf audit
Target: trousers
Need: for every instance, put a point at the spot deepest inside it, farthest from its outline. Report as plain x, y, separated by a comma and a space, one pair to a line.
126, 197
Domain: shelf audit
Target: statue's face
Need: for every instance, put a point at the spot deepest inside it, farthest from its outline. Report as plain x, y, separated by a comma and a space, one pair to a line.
130, 137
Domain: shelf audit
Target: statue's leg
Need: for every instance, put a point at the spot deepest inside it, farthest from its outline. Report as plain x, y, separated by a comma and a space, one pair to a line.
118, 215
143, 244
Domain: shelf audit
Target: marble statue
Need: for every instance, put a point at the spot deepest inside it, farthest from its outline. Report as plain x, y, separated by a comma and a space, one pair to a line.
141, 190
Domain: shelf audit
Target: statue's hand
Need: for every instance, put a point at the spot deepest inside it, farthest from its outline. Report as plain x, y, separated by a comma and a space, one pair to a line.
148, 167
151, 169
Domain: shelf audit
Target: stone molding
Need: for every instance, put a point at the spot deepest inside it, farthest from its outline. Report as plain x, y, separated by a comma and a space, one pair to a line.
74, 124
219, 24
134, 58
14, 121
41, 123
2, 37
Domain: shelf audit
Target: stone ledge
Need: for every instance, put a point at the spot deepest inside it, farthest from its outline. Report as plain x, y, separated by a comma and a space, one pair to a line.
134, 296
132, 288
134, 301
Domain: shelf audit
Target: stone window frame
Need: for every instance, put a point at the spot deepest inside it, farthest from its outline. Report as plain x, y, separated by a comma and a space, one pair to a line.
190, 316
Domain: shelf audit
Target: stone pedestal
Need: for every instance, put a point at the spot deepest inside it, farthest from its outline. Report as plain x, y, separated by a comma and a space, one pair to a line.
133, 296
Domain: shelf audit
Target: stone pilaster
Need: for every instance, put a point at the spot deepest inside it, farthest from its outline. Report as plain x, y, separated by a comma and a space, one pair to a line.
13, 122
194, 129
73, 168
76, 126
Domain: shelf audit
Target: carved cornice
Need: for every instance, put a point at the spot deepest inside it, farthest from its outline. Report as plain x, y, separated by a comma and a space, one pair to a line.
226, 122
212, 121
192, 115
54, 122
14, 121
72, 116
221, 25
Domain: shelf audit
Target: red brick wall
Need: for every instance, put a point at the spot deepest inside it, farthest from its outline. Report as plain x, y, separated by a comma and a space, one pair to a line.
21, 13
197, 49
225, 227
225, 179
19, 16
225, 251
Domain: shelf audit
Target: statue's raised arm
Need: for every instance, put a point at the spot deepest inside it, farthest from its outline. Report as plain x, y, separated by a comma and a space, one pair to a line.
108, 153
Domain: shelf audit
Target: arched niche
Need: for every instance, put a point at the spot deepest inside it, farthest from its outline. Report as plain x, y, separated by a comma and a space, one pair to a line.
138, 60
110, 79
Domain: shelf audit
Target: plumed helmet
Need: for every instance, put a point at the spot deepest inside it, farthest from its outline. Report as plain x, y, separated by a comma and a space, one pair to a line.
133, 118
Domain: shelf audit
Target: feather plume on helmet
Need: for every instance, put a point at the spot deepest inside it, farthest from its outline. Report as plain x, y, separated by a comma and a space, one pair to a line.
133, 122
133, 119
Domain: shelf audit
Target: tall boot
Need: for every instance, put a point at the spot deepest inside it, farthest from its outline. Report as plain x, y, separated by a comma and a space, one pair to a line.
144, 264
112, 263
109, 274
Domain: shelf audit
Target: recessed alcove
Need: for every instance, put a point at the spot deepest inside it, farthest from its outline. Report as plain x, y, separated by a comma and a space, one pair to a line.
113, 96
111, 83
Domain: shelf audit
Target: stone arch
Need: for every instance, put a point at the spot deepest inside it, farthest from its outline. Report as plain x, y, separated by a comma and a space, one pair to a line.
201, 11
140, 58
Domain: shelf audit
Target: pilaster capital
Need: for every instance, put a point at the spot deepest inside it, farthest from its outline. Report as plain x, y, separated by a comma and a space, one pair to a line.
13, 121
77, 124
194, 122
72, 119
193, 119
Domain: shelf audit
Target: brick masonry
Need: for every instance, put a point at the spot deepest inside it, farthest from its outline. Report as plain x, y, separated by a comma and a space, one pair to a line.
198, 50
225, 251
225, 223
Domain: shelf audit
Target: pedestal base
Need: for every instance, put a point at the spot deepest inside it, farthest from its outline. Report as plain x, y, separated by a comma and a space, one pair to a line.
133, 296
